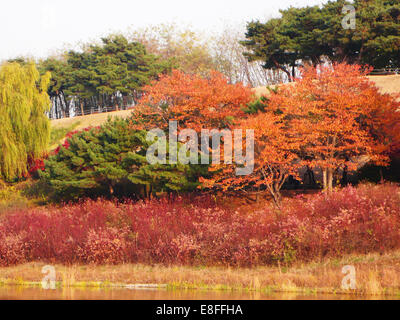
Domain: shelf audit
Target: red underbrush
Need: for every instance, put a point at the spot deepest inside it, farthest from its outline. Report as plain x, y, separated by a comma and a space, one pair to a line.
196, 231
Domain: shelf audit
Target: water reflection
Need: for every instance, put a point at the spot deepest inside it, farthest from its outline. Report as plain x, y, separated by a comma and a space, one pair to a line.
24, 293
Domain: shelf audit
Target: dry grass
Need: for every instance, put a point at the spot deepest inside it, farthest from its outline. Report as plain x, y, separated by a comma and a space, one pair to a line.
387, 84
259, 91
375, 275
82, 122
92, 120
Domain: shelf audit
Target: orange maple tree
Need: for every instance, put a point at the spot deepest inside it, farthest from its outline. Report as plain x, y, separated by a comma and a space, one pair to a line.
275, 157
340, 115
194, 101
328, 118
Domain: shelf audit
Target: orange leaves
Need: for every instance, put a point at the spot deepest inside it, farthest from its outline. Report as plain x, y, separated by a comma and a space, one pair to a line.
274, 156
328, 118
195, 102
338, 113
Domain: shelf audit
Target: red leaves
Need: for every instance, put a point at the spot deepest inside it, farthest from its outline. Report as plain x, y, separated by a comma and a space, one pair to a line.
106, 246
327, 119
192, 231
34, 165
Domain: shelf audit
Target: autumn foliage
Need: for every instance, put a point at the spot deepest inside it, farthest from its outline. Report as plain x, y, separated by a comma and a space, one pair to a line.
197, 231
329, 118
195, 102
274, 157
339, 115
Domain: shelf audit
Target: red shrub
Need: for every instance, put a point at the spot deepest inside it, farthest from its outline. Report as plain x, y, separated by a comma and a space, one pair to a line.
105, 246
196, 231
34, 165
12, 250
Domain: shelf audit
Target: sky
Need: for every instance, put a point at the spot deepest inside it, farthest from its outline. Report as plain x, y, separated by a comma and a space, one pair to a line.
38, 28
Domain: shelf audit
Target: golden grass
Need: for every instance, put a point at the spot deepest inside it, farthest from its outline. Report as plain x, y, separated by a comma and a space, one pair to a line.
82, 122
375, 275
386, 84
92, 120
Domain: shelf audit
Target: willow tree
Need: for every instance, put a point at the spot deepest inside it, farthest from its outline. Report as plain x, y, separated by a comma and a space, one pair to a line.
24, 126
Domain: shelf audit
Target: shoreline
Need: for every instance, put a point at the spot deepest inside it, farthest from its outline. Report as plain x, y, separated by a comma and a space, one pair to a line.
376, 275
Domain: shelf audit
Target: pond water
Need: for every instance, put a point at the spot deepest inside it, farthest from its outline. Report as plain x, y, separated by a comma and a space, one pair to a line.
29, 293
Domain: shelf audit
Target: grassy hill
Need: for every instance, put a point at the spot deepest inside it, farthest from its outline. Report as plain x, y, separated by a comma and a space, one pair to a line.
60, 127
387, 84
91, 120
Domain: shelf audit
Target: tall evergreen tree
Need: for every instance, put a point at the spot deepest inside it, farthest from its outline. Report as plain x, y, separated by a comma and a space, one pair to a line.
309, 34
109, 74
59, 83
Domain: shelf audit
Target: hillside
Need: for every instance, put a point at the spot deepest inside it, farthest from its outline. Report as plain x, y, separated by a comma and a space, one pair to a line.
387, 84
91, 120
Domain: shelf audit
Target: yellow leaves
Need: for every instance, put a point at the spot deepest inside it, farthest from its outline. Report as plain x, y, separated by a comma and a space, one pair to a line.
24, 129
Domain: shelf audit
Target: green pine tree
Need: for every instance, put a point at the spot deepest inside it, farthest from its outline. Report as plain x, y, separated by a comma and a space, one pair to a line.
313, 33
111, 161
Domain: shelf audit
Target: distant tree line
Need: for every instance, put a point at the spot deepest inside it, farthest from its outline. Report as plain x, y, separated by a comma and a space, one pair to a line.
111, 73
313, 35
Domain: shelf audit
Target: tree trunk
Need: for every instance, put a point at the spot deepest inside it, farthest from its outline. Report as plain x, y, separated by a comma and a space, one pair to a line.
276, 196
283, 69
144, 191
65, 104
325, 180
381, 174
246, 68
275, 191
61, 106
330, 180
